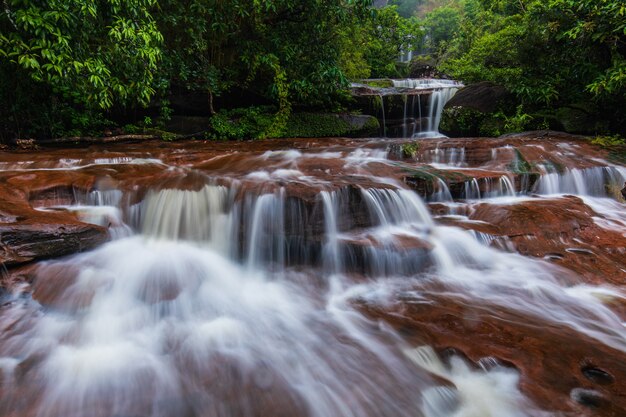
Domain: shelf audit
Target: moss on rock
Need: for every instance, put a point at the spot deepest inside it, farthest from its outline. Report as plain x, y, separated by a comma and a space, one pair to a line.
461, 121
379, 83
308, 125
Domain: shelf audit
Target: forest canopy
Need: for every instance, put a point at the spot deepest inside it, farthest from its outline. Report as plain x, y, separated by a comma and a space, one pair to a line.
70, 67
553, 55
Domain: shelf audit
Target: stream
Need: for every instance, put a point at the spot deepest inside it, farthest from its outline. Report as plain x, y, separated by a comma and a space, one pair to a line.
318, 277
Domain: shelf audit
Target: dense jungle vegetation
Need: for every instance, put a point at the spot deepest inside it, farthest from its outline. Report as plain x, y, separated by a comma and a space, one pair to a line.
70, 67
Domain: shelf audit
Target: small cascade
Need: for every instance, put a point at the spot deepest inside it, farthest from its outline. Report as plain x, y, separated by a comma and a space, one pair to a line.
199, 216
404, 117
406, 56
111, 197
441, 92
419, 116
400, 226
507, 187
503, 187
442, 191
409, 108
472, 190
446, 157
395, 207
331, 253
266, 240
595, 181
382, 111
263, 230
276, 292
103, 208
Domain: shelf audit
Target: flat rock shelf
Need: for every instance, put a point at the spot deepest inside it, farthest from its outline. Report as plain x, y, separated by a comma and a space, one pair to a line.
314, 277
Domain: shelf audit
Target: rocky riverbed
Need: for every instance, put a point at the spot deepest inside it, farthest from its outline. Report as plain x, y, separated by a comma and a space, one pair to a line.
502, 260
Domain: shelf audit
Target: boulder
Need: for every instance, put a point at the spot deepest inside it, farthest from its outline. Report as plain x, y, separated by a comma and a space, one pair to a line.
484, 97
470, 111
424, 67
575, 119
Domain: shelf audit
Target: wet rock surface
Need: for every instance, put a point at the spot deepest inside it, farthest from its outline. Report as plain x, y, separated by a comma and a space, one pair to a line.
562, 231
553, 362
27, 234
500, 190
24, 243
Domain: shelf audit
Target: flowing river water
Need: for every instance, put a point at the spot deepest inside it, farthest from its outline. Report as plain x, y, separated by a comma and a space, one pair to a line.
327, 278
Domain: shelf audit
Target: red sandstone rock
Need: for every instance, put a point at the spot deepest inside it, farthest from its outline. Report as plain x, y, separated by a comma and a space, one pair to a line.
551, 358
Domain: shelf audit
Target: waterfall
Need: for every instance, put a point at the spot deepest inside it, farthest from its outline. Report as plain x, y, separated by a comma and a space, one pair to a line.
442, 92
331, 255
595, 181
446, 156
405, 120
472, 190
442, 192
382, 110
188, 215
276, 292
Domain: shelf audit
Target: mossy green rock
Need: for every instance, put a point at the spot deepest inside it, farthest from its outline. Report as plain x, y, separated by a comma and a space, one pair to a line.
460, 121
379, 83
311, 125
472, 111
575, 120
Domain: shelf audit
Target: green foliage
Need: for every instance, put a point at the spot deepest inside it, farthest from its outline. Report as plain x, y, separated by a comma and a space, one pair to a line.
550, 54
370, 47
441, 24
112, 55
380, 83
308, 125
409, 150
616, 145
63, 62
598, 23
499, 123
461, 121
94, 52
255, 123
406, 8
518, 122
284, 50
609, 141
242, 124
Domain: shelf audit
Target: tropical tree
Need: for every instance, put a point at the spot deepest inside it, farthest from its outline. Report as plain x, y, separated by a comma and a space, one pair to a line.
95, 52
550, 54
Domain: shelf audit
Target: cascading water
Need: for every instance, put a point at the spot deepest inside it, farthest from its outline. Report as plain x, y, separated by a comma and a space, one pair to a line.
382, 112
421, 102
595, 181
226, 299
442, 92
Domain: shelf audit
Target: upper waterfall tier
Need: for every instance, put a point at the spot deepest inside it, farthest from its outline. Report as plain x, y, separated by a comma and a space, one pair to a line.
409, 107
408, 86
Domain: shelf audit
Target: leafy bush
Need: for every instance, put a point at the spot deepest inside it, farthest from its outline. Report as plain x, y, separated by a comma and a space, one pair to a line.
241, 124
609, 141
409, 150
550, 54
